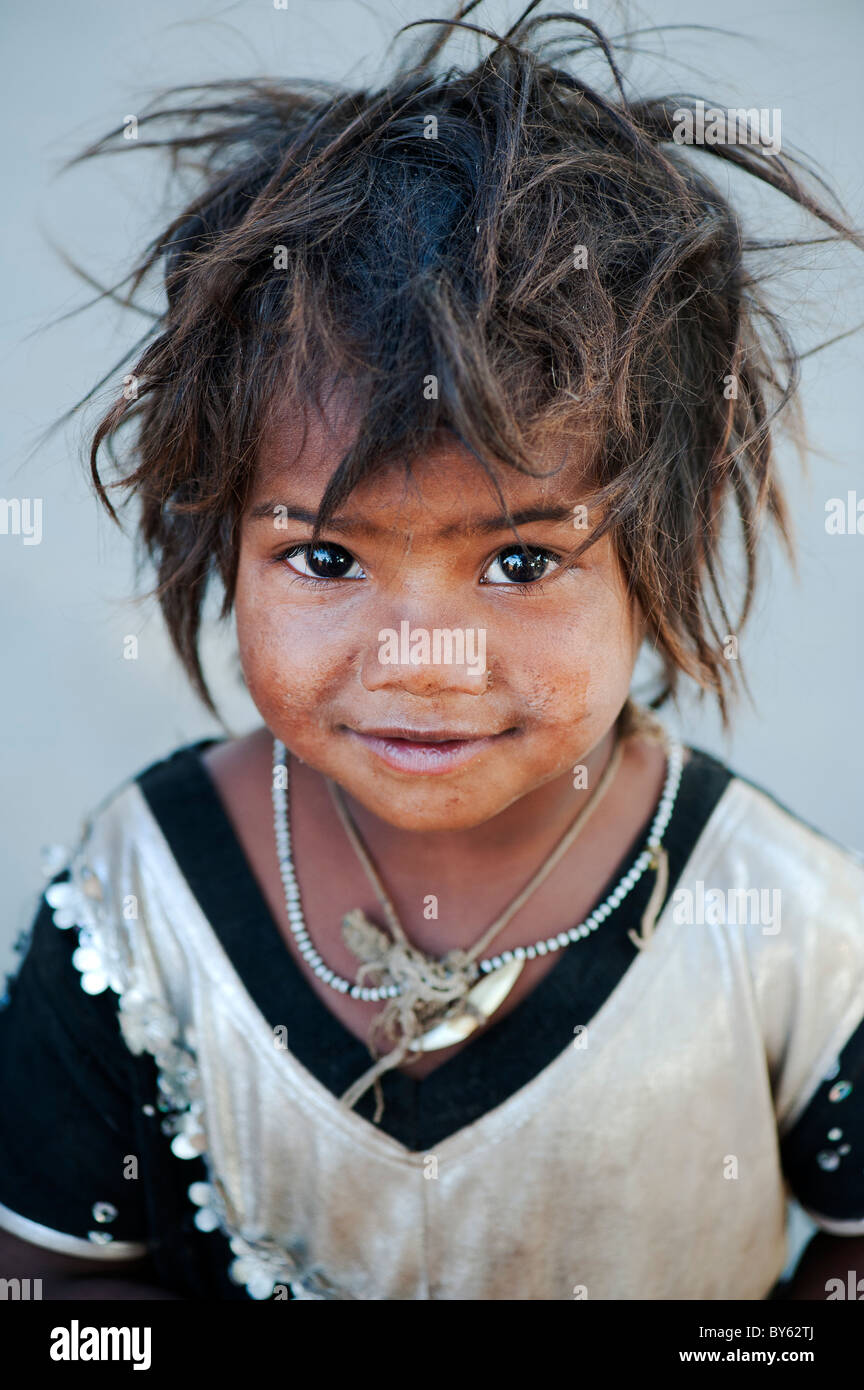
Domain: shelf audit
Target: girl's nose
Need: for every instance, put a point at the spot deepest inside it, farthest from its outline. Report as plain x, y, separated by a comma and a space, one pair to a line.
426, 661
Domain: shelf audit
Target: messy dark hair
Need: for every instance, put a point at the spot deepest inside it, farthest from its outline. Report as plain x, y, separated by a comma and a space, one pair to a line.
405, 258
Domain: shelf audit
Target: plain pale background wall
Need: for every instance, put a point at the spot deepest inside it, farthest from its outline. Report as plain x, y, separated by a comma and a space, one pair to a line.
77, 718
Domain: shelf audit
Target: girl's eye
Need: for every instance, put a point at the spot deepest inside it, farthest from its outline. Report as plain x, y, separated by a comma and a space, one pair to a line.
520, 565
322, 561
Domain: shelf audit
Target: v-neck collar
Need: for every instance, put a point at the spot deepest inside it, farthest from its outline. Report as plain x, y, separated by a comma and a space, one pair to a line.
419, 1112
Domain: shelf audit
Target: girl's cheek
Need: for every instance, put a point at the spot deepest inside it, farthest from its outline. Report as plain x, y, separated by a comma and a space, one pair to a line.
288, 668
578, 651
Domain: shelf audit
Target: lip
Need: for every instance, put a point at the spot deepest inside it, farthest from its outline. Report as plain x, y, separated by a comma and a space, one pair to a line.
425, 751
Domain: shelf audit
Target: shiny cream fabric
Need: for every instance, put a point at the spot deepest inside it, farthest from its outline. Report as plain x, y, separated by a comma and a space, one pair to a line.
642, 1163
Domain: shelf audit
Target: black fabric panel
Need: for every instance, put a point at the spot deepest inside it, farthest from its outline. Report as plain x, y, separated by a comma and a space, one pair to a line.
836, 1192
65, 1094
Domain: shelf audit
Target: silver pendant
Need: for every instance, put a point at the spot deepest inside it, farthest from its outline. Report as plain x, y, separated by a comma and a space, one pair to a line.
479, 1004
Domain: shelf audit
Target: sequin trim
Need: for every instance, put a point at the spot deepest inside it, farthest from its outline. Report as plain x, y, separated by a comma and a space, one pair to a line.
147, 1024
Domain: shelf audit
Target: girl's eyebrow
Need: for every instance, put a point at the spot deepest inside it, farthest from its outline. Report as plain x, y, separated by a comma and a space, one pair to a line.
557, 512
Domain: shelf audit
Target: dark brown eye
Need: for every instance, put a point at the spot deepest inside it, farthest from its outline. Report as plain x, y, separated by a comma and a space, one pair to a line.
322, 561
521, 565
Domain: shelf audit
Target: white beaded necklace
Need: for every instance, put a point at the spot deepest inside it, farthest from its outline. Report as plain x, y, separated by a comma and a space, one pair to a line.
647, 858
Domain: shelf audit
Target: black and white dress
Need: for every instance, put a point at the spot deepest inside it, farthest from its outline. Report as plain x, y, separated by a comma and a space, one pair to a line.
170, 1083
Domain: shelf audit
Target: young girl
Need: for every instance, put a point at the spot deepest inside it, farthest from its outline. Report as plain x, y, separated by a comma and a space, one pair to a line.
459, 978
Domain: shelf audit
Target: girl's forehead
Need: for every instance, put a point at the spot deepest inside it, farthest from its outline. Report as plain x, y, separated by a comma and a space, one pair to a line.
300, 451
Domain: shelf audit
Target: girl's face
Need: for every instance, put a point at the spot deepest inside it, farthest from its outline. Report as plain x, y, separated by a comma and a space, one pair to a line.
429, 730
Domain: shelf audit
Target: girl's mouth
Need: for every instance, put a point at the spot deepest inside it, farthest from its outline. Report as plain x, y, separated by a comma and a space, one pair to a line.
425, 751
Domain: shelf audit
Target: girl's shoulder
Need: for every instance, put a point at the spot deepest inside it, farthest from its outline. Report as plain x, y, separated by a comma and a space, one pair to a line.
120, 871
766, 837
793, 893
790, 823
178, 782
